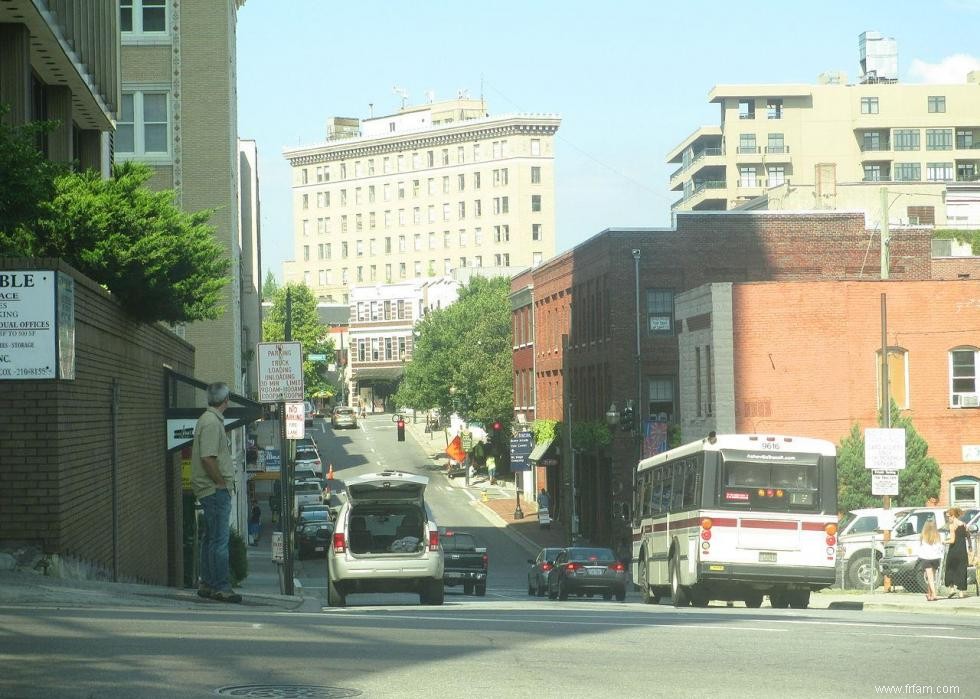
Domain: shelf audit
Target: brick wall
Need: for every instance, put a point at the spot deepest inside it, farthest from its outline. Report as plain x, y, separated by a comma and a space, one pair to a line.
56, 445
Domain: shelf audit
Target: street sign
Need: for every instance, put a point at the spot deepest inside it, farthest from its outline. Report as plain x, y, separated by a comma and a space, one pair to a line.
277, 547
884, 483
295, 421
466, 440
280, 369
316, 357
521, 446
270, 459
884, 448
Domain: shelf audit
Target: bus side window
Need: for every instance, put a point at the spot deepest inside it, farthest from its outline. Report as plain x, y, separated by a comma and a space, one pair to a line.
664, 504
677, 495
691, 485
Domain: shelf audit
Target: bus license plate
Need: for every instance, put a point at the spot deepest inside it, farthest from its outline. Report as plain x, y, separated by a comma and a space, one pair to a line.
767, 556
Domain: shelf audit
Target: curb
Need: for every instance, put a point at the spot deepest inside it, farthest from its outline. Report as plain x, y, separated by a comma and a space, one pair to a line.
500, 523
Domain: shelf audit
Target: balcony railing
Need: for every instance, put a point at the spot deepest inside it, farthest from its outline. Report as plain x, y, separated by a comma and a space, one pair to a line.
777, 149
700, 154
752, 150
698, 189
874, 147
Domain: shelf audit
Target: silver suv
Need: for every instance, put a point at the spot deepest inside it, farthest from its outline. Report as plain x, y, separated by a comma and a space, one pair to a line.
901, 553
860, 544
385, 541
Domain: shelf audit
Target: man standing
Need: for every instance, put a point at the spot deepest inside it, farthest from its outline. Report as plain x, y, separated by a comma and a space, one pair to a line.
213, 480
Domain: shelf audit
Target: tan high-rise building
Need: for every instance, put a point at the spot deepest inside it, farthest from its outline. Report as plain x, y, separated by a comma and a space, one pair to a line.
179, 114
834, 146
420, 193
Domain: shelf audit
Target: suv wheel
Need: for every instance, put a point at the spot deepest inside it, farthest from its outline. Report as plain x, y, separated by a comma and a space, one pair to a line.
863, 571
481, 589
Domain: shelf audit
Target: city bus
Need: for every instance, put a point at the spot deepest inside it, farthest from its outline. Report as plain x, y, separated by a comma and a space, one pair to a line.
736, 517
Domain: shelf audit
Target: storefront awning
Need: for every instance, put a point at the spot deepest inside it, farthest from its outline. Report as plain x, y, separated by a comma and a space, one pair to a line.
540, 450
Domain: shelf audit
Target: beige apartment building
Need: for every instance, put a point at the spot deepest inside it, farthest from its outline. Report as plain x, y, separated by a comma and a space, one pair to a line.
834, 146
421, 193
59, 61
179, 114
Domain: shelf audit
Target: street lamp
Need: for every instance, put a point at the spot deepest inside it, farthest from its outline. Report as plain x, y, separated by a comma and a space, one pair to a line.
612, 415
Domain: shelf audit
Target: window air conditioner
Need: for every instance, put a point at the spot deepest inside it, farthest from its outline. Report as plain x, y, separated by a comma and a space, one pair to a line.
968, 400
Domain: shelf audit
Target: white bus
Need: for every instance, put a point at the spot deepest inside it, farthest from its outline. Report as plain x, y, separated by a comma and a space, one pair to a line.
736, 517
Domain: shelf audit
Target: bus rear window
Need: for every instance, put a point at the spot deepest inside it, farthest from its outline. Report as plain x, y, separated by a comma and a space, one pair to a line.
770, 486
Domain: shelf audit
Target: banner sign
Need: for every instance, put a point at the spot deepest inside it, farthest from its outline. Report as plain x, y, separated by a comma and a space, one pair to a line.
521, 446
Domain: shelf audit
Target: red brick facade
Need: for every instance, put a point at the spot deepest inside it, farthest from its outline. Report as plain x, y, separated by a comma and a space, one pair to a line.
56, 446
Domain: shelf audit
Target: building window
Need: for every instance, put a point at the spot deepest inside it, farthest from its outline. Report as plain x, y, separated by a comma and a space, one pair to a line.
660, 398
402, 244
462, 210
747, 176
476, 180
939, 172
774, 109
477, 208
939, 139
776, 143
144, 126
535, 202
905, 139
417, 240
966, 172
872, 172
937, 105
660, 311
908, 172
535, 175
869, 105
776, 175
898, 376
143, 16
445, 239
535, 146
478, 236
964, 138
746, 143
461, 182
873, 140
963, 378
445, 211
343, 249
746, 109
536, 259
445, 156
462, 237
535, 231
306, 253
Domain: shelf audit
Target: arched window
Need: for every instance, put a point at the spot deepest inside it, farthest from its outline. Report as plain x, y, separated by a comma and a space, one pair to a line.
898, 376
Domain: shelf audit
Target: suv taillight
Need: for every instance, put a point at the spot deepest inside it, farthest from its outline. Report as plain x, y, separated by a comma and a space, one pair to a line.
434, 540
486, 561
339, 544
572, 567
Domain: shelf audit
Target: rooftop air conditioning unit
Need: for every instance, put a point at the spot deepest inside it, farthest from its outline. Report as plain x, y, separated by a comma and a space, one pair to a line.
968, 400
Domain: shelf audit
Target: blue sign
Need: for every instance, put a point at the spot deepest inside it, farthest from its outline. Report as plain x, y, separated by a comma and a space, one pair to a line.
521, 446
271, 459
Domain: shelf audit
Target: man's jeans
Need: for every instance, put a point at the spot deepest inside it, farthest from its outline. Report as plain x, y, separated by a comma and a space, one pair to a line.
214, 545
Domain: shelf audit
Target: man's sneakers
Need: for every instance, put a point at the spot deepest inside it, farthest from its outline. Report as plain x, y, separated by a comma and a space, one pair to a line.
217, 595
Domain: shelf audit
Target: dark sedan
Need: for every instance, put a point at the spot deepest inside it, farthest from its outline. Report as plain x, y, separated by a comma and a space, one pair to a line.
587, 571
313, 539
540, 570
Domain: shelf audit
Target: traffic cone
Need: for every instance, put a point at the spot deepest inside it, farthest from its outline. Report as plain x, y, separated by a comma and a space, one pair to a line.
330, 473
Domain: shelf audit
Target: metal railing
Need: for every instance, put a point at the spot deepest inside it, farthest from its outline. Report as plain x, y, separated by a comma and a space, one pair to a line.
753, 150
777, 149
697, 156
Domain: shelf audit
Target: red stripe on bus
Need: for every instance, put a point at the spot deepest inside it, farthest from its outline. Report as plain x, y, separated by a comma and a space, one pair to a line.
768, 524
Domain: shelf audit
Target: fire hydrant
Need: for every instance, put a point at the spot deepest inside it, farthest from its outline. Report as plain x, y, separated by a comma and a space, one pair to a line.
483, 496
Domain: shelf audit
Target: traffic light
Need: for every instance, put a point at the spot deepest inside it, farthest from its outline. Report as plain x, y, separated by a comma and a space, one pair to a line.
497, 426
626, 419
401, 430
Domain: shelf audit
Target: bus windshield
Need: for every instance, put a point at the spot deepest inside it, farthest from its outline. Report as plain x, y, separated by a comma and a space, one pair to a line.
790, 484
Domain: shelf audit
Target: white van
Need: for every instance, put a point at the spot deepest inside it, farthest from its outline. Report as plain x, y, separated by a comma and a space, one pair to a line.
385, 541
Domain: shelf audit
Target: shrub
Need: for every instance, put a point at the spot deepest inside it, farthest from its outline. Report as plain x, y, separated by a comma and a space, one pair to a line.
237, 558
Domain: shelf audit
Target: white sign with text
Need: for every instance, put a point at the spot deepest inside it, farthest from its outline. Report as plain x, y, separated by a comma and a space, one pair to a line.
28, 339
884, 448
295, 422
280, 367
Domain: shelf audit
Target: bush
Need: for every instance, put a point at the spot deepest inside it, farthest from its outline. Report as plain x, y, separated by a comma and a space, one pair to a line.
237, 558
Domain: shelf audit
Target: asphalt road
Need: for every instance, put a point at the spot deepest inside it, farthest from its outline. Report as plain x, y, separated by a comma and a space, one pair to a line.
506, 644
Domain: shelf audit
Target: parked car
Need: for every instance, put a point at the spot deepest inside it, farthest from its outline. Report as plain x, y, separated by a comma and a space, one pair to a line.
307, 443
305, 474
587, 571
312, 513
860, 544
343, 416
900, 561
467, 562
308, 458
541, 567
306, 493
385, 540
314, 539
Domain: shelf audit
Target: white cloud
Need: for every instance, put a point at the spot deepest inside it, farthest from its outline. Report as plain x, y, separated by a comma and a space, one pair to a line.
949, 71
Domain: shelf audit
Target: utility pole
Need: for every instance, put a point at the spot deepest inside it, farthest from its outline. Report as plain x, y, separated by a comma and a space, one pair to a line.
886, 405
286, 474
885, 236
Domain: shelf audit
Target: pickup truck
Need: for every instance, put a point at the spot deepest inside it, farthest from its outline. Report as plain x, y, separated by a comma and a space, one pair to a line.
466, 562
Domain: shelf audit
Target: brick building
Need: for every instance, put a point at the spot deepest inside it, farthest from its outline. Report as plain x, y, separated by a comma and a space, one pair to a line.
604, 323
804, 358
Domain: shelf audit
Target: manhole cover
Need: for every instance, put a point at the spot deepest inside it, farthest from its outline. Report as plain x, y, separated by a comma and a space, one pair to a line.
287, 691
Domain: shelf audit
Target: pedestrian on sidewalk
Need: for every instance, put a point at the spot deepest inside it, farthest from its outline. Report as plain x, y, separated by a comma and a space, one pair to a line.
213, 481
492, 470
544, 500
929, 556
254, 523
957, 555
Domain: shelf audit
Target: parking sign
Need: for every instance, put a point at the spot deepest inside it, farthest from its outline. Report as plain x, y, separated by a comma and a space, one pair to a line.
280, 366
884, 448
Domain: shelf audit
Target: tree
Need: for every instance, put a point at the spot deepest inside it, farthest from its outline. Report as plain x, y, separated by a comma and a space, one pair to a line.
917, 482
269, 287
305, 328
462, 360
161, 263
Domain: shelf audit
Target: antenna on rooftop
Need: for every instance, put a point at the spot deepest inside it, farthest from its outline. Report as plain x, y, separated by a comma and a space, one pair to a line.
401, 92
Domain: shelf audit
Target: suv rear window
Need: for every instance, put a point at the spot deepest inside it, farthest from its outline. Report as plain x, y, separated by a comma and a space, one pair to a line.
306, 455
343, 411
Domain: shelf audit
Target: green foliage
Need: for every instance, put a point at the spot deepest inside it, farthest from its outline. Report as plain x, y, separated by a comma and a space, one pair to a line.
237, 558
306, 328
971, 236
269, 287
28, 182
161, 263
590, 435
917, 482
544, 430
673, 436
465, 346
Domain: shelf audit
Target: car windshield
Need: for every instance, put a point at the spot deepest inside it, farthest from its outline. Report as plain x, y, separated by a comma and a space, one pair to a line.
306, 455
307, 488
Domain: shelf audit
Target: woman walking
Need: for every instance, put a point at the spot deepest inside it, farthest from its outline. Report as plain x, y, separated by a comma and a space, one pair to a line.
930, 555
956, 557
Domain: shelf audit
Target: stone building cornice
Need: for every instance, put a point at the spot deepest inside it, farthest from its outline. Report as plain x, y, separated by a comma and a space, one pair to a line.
458, 132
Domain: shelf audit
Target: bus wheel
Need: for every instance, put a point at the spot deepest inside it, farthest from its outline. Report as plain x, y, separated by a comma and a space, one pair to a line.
699, 599
799, 599
754, 600
648, 596
778, 600
678, 594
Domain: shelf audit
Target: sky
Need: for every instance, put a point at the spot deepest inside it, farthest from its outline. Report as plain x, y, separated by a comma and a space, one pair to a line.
629, 79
